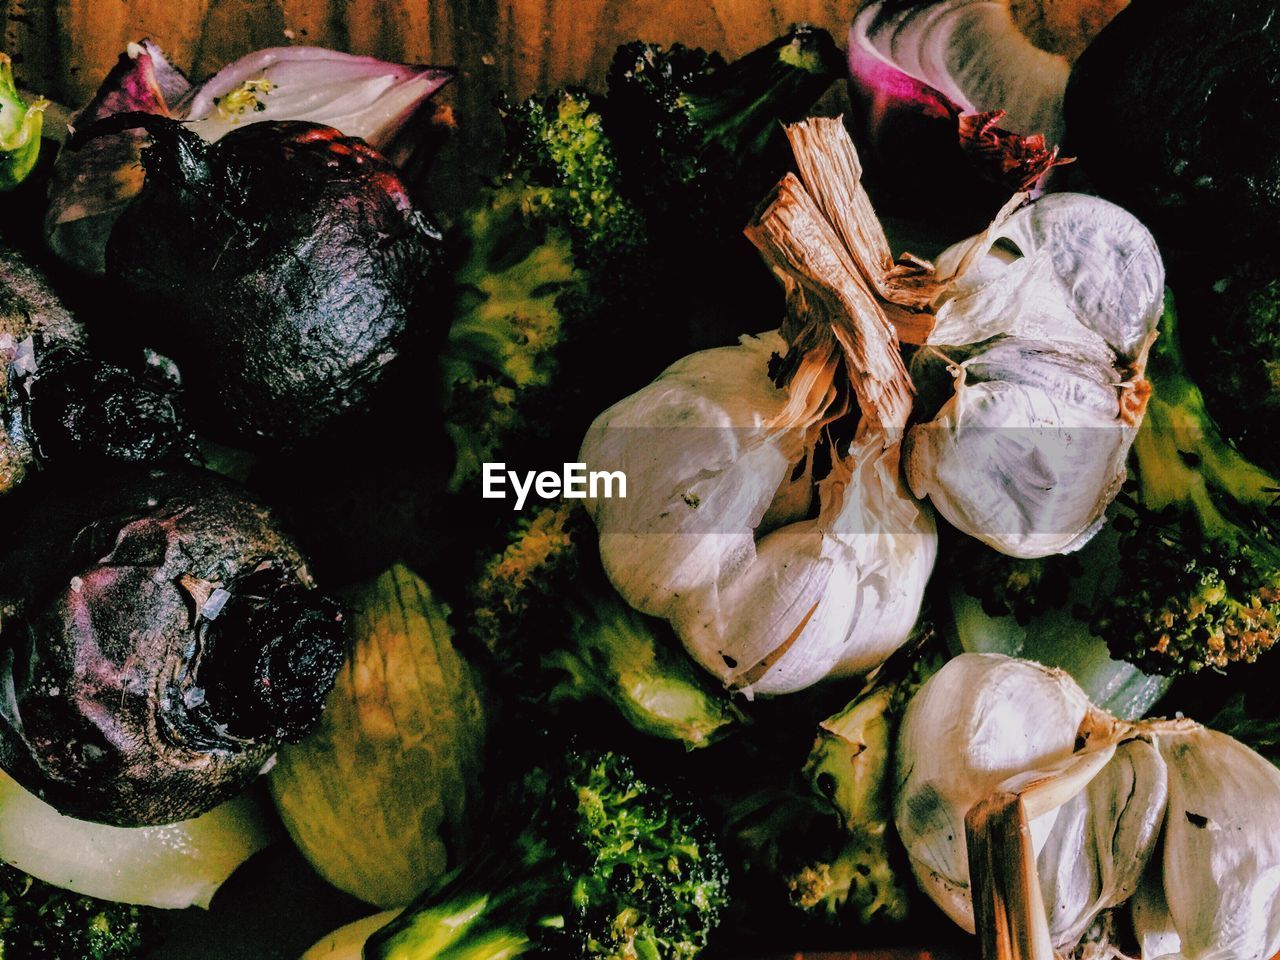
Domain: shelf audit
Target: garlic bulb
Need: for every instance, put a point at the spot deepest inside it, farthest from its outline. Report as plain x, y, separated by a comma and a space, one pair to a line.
1004, 764
980, 720
771, 579
1043, 329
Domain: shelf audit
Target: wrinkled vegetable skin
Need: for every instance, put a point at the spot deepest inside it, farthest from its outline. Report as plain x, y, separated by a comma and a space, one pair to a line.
101, 647
28, 309
284, 310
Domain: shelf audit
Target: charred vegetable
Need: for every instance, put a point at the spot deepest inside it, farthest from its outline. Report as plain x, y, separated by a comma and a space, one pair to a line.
160, 638
282, 265
30, 312
377, 101
58, 402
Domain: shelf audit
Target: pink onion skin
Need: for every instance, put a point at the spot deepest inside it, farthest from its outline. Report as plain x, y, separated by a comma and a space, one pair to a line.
389, 94
89, 186
921, 144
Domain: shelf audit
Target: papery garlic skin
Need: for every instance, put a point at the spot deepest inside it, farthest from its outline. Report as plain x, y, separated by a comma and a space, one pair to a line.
1221, 846
980, 720
1044, 335
713, 538
844, 592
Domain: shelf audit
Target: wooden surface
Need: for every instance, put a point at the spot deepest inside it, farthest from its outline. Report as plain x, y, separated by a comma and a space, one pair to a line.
63, 48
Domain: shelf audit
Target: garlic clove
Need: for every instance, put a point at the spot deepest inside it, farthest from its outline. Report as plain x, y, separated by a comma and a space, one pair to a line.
1102, 841
1018, 468
1082, 261
1149, 914
844, 591
982, 719
1221, 847
703, 468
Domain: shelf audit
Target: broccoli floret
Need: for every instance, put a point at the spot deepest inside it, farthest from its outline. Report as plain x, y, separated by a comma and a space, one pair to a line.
1199, 568
43, 922
608, 867
702, 140
1008, 586
607, 213
539, 263
1239, 359
560, 632
850, 766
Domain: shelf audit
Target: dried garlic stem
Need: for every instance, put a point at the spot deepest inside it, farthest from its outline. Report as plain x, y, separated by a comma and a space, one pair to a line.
1008, 907
835, 314
832, 173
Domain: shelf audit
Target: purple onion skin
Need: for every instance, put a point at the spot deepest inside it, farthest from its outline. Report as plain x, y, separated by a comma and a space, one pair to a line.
126, 696
919, 160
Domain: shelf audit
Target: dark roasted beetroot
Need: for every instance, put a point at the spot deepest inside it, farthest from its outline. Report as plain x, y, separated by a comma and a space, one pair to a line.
283, 268
159, 638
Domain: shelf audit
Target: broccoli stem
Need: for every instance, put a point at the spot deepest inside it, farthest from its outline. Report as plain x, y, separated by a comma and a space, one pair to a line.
741, 106
1181, 455
485, 912
617, 657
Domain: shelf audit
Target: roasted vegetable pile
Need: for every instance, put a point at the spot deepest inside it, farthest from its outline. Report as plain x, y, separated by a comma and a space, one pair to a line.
637, 553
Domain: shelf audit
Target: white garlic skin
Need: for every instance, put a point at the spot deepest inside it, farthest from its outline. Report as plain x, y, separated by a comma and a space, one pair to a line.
701, 472
1041, 336
1221, 847
715, 534
1102, 841
978, 721
821, 598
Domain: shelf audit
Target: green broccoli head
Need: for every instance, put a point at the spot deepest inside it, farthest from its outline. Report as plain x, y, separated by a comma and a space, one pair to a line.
42, 922
560, 632
609, 867
565, 164
1008, 586
1240, 359
850, 766
1199, 565
702, 139
536, 268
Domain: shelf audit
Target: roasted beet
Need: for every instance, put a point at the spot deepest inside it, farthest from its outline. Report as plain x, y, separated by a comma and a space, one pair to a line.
160, 637
283, 267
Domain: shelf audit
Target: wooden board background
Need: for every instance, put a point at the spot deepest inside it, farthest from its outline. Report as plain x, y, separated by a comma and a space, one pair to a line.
62, 48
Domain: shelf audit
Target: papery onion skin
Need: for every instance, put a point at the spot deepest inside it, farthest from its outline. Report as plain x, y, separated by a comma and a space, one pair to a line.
990, 130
